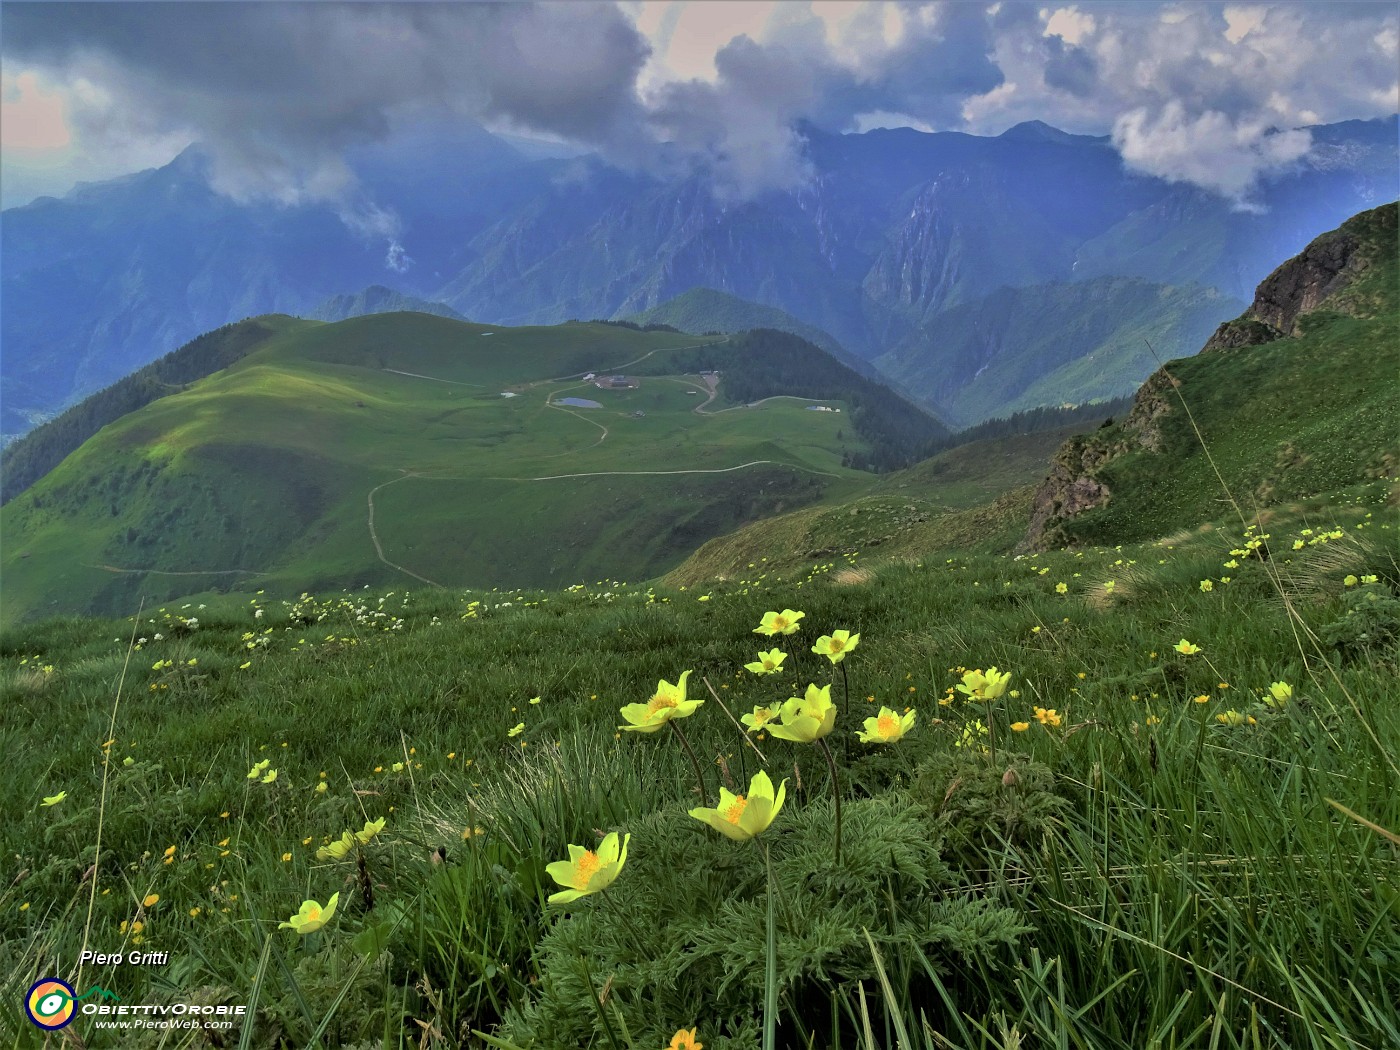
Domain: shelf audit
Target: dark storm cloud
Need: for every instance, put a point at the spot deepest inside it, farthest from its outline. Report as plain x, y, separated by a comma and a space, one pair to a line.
278, 91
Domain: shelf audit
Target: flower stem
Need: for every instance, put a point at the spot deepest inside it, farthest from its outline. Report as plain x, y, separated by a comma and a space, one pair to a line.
835, 793
770, 976
694, 762
845, 710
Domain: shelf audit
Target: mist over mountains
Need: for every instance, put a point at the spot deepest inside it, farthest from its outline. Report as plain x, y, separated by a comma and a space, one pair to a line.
896, 246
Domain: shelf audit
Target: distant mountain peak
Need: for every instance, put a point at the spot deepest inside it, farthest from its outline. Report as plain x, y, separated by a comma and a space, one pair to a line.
1039, 131
377, 299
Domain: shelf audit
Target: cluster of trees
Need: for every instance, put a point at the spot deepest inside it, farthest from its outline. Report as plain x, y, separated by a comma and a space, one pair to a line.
1032, 421
25, 461
632, 325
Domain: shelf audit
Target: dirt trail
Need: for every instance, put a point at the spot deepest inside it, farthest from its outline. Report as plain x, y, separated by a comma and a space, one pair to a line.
197, 572
435, 379
592, 422
763, 401
713, 470
374, 536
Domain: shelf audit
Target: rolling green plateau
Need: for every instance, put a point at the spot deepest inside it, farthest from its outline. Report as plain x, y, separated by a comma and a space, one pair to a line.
405, 447
867, 770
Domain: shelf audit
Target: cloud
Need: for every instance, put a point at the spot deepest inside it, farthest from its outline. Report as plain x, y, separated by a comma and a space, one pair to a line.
1210, 150
279, 92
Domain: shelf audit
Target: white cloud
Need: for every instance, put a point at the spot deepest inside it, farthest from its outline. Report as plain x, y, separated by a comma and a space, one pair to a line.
1070, 25
1209, 150
1241, 21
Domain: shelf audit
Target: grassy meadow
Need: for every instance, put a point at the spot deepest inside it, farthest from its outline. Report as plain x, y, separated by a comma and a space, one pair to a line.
1172, 827
266, 472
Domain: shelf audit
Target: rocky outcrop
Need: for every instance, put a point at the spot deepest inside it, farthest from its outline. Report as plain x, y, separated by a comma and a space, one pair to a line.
1315, 277
1070, 490
1075, 484
1304, 282
1243, 331
1319, 277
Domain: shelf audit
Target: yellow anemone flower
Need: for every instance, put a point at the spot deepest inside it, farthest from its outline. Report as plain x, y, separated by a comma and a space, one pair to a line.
1186, 648
1020, 727
1235, 718
761, 717
984, 685
1280, 693
784, 622
371, 829
337, 849
836, 645
684, 1039
53, 800
666, 703
311, 916
588, 872
269, 777
767, 663
741, 818
1047, 716
808, 718
887, 727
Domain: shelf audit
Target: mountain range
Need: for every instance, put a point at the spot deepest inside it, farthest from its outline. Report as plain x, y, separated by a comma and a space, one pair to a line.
902, 247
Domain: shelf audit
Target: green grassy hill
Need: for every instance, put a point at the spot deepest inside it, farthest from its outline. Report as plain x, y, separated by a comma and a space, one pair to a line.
384, 448
35, 454
1275, 420
708, 310
976, 496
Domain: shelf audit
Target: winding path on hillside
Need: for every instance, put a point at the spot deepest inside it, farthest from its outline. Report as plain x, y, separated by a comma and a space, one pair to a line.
762, 401
374, 536
659, 473
169, 572
590, 422
435, 379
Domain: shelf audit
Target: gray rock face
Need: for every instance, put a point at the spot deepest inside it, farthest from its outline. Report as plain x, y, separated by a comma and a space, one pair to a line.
1324, 267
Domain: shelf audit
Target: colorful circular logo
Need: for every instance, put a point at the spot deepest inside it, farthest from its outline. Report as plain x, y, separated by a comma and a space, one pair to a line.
50, 1003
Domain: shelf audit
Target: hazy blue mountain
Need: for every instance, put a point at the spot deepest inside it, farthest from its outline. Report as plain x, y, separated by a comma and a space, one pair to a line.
377, 299
116, 274
893, 229
1052, 344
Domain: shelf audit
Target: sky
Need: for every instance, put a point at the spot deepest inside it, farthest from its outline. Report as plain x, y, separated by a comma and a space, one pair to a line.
1196, 92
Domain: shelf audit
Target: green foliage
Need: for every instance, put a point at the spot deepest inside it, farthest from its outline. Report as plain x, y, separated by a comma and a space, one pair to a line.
984, 806
265, 475
1369, 624
1034, 421
706, 897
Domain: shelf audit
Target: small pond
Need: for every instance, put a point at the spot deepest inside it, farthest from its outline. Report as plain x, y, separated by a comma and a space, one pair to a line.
577, 402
